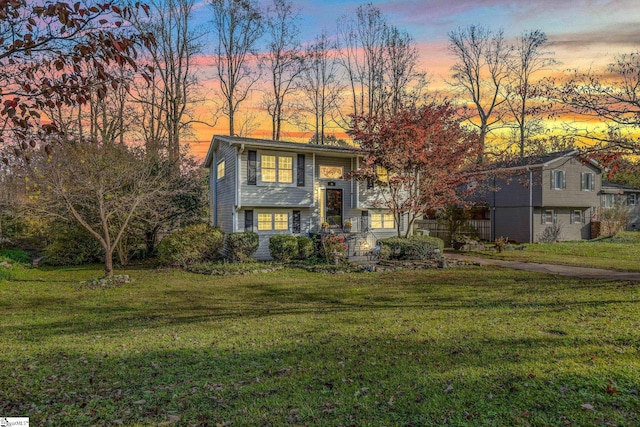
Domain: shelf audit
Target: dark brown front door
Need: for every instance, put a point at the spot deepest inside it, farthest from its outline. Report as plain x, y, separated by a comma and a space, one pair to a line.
334, 207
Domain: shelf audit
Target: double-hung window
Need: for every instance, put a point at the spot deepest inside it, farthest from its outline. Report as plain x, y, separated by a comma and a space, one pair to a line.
577, 216
273, 221
586, 181
276, 168
558, 179
379, 220
549, 216
632, 199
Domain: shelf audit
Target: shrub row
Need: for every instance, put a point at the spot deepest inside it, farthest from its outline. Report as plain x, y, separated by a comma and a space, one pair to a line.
414, 247
285, 247
203, 243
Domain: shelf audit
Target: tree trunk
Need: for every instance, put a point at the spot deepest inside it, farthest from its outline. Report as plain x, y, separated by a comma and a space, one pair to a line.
108, 262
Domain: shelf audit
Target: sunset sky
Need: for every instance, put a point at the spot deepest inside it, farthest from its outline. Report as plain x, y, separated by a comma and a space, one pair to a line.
582, 34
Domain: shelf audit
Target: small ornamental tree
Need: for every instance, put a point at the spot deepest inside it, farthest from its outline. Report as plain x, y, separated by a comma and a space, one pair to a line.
426, 155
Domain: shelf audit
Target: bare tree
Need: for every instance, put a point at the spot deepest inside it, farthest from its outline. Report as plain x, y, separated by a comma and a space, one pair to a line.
479, 73
238, 24
321, 86
165, 102
529, 58
283, 59
362, 40
613, 97
404, 83
100, 187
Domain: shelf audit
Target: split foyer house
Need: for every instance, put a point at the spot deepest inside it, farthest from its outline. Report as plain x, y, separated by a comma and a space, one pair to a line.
274, 187
559, 190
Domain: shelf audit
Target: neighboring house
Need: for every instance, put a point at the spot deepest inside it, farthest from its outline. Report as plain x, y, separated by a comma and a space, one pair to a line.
616, 194
274, 187
554, 194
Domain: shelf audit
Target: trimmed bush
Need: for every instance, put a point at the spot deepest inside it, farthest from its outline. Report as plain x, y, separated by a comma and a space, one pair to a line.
283, 247
240, 247
412, 248
72, 245
306, 247
189, 245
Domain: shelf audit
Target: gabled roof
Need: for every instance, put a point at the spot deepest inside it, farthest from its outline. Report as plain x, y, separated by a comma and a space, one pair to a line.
544, 160
613, 188
297, 147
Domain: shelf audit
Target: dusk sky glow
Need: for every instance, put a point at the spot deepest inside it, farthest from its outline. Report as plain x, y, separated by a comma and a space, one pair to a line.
582, 34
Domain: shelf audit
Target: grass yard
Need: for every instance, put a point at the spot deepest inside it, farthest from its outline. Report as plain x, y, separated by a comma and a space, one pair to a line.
468, 347
621, 252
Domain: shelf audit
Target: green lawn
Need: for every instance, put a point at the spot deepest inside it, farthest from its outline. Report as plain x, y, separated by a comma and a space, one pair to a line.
469, 346
618, 253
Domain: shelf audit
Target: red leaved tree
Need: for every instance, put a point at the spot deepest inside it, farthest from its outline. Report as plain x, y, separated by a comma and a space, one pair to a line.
45, 49
425, 154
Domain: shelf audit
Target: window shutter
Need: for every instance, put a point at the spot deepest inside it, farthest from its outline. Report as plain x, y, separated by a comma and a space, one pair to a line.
364, 221
369, 183
296, 222
553, 179
252, 173
583, 181
300, 177
248, 220
564, 180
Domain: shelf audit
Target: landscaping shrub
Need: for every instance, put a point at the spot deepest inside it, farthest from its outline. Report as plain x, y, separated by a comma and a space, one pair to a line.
414, 247
14, 255
332, 247
305, 247
72, 245
240, 247
189, 245
283, 247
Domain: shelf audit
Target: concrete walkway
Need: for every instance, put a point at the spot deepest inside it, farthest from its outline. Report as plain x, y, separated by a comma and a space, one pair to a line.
562, 270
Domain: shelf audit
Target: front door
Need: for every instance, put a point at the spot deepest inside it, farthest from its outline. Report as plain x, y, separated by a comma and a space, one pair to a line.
334, 207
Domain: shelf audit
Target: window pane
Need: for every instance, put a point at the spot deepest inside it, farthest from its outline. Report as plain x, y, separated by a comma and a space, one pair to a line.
220, 170
389, 221
331, 172
265, 222
285, 176
281, 222
376, 220
383, 174
268, 164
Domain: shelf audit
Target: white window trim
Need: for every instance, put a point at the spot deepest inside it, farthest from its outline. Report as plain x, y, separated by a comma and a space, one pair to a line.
272, 214
634, 197
587, 184
581, 216
382, 221
277, 155
224, 169
554, 216
554, 181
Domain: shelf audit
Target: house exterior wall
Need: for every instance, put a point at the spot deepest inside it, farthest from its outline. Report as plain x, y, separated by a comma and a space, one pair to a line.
264, 194
224, 188
572, 195
569, 228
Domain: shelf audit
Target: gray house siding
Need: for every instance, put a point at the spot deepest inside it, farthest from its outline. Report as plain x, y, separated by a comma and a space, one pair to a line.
570, 227
276, 194
572, 194
224, 194
512, 223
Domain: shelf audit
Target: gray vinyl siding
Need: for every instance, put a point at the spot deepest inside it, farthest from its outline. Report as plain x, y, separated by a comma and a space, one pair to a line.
224, 199
263, 249
276, 194
568, 230
571, 195
512, 223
